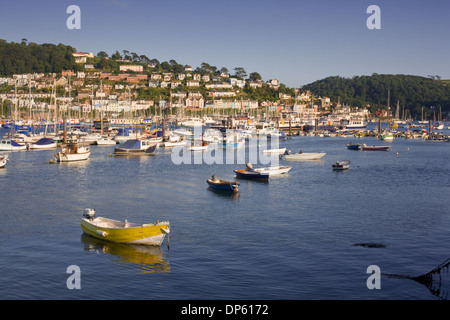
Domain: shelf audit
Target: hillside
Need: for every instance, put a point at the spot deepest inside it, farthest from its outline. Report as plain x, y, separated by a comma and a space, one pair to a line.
20, 58
412, 92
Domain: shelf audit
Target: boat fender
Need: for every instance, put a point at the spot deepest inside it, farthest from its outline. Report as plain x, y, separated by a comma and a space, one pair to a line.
101, 233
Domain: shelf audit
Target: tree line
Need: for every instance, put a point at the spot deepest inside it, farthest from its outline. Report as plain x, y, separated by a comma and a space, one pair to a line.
20, 58
414, 94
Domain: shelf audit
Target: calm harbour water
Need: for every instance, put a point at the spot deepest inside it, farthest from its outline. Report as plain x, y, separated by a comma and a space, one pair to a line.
290, 238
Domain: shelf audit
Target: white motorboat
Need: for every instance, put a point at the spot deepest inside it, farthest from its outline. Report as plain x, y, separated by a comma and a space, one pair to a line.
106, 142
301, 156
91, 138
275, 170
183, 132
276, 151
170, 144
341, 165
11, 145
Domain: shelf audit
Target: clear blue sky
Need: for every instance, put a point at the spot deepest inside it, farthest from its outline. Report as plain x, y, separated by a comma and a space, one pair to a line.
295, 41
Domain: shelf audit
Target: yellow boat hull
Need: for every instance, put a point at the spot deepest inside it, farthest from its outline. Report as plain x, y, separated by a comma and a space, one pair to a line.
122, 232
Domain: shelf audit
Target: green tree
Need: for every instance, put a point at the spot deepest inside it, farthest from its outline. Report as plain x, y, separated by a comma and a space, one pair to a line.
240, 72
254, 76
116, 56
102, 54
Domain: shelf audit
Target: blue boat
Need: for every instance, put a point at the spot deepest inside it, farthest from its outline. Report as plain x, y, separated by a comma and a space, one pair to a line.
135, 147
44, 143
251, 174
11, 145
222, 185
351, 146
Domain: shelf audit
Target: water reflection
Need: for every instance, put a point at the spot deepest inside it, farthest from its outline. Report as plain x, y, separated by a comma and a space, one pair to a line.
150, 259
225, 194
75, 164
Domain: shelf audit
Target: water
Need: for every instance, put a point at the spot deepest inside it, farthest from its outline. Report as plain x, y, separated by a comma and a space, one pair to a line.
291, 238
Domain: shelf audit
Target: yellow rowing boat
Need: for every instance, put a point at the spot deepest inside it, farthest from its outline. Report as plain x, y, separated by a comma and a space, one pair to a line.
123, 231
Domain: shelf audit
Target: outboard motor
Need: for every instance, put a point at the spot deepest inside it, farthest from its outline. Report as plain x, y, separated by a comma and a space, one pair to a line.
89, 214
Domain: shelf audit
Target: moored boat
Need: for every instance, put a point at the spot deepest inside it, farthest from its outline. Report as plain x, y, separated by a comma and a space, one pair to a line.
375, 148
222, 185
275, 170
44, 143
124, 232
198, 145
73, 152
351, 146
301, 156
275, 151
11, 145
3, 160
386, 136
251, 174
105, 142
171, 144
135, 147
341, 165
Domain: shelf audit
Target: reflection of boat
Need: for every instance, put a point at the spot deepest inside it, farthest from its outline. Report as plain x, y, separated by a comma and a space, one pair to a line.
73, 152
375, 148
11, 145
150, 259
135, 147
222, 185
251, 174
124, 232
341, 165
44, 143
3, 160
351, 146
302, 156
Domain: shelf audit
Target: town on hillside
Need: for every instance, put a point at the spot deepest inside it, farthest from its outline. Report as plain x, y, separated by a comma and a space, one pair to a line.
136, 90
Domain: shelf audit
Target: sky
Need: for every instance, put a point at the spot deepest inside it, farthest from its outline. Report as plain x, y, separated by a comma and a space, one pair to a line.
294, 41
